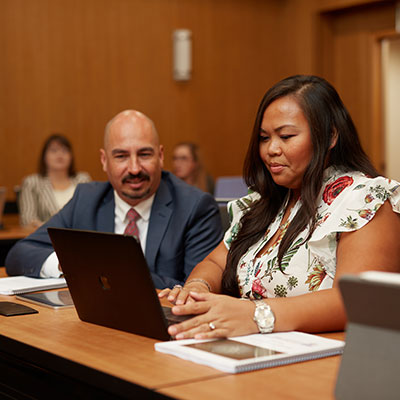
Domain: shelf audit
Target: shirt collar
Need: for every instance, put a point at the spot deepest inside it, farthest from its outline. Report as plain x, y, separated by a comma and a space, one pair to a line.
143, 208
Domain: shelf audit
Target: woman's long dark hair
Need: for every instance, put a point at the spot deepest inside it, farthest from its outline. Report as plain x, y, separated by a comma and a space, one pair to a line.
63, 141
327, 118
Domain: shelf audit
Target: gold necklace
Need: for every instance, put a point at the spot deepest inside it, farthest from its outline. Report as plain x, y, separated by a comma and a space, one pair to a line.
283, 226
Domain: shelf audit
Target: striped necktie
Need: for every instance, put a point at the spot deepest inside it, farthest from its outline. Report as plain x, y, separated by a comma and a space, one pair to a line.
132, 229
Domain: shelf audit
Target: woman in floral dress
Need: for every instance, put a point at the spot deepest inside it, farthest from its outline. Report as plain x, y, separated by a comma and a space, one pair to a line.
316, 210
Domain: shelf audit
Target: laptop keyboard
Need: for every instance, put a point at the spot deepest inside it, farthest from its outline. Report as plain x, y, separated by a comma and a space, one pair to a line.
172, 318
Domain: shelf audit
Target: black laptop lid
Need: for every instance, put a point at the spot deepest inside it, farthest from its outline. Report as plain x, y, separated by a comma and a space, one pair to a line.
109, 281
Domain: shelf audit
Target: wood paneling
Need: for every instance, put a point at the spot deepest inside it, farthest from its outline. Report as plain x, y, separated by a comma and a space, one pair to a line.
71, 65
348, 60
334, 5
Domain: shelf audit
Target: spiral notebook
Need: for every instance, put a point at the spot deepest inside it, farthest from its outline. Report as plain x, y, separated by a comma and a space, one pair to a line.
247, 353
23, 284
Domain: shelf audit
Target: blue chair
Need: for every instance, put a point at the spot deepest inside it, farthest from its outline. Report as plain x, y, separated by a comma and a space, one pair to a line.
229, 188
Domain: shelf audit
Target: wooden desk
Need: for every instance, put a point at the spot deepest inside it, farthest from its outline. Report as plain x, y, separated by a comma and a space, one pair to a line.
12, 232
61, 356
307, 380
78, 359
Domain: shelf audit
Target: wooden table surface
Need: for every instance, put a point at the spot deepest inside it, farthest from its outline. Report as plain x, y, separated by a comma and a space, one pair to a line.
306, 380
12, 228
133, 358
127, 356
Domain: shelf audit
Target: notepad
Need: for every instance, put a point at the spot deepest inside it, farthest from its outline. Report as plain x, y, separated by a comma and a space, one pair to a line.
23, 284
246, 353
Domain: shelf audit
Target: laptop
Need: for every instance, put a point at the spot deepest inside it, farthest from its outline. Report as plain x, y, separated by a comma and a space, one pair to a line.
370, 363
110, 282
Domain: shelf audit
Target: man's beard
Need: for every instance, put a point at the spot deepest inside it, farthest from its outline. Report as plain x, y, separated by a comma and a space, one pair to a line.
141, 176
136, 196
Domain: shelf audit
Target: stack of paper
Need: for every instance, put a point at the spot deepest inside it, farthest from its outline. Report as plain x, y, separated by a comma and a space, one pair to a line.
23, 284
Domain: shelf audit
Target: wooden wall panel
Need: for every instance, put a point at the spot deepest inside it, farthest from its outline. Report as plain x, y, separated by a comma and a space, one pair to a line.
70, 65
348, 56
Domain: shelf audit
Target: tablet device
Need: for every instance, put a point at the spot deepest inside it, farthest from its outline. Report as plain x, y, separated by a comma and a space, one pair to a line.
51, 298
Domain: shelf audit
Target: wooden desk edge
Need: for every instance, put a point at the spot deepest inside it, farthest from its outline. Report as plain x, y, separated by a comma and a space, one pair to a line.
75, 378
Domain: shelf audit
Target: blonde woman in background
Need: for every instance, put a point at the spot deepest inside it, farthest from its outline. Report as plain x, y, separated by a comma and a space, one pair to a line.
187, 165
45, 193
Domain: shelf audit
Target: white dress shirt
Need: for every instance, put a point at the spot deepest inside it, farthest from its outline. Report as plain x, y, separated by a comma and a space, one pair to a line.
50, 266
121, 220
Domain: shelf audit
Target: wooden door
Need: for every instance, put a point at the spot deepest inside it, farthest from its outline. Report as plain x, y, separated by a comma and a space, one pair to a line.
349, 57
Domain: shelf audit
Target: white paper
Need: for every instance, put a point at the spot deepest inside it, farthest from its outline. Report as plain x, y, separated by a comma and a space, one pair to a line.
22, 284
281, 348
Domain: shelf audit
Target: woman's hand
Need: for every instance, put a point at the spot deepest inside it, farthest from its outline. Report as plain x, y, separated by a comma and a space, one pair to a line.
217, 316
181, 295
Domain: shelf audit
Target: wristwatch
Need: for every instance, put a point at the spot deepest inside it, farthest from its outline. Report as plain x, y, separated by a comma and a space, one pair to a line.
264, 317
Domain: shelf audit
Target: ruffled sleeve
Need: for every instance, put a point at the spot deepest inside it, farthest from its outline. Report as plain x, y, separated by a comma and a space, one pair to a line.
236, 210
348, 203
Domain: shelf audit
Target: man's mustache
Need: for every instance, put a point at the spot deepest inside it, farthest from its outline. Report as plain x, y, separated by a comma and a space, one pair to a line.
140, 175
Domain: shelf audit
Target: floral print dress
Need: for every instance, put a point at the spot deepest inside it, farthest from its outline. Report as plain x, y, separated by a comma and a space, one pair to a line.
347, 202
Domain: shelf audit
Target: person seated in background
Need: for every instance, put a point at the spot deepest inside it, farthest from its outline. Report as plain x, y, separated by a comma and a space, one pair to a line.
319, 210
187, 165
177, 224
43, 194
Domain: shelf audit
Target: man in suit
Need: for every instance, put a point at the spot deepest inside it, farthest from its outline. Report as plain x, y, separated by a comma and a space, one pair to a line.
177, 224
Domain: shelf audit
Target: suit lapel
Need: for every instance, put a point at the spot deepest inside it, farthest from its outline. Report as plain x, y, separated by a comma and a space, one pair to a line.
159, 219
106, 213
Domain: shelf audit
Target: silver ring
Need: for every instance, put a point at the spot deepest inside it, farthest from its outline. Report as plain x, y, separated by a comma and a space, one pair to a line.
178, 286
211, 326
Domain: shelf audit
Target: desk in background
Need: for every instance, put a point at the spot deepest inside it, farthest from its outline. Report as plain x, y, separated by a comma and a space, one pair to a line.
12, 232
58, 355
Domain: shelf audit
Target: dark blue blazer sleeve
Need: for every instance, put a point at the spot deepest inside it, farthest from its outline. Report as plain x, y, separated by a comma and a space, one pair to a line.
192, 229
91, 207
202, 234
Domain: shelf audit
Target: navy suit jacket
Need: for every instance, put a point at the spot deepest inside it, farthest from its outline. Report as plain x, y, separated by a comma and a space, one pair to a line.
184, 226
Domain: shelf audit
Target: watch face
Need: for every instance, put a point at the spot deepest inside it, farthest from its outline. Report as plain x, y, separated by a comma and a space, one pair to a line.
268, 321
264, 318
